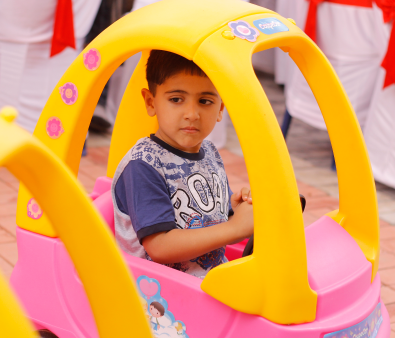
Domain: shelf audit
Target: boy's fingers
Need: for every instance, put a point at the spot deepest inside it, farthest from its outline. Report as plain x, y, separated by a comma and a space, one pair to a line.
246, 193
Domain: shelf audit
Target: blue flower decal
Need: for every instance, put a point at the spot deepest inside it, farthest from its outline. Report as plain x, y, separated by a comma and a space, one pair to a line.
243, 30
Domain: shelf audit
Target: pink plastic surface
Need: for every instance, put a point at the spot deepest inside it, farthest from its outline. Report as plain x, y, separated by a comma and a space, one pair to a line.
102, 184
49, 287
104, 204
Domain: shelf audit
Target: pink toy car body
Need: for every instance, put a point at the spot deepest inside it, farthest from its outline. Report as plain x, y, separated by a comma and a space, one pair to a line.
54, 298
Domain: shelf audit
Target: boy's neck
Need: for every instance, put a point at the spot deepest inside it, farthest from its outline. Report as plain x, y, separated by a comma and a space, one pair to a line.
167, 140
183, 154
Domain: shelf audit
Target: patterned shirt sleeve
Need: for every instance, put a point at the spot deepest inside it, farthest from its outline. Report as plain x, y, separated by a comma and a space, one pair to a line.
141, 193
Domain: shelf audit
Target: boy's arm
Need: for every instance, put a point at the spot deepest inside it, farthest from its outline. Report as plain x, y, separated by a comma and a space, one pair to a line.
182, 245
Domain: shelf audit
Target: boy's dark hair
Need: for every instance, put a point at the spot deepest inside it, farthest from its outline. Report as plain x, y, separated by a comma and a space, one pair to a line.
159, 307
161, 65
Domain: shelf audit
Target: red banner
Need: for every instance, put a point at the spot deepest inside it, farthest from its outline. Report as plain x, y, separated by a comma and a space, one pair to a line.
63, 31
311, 20
388, 8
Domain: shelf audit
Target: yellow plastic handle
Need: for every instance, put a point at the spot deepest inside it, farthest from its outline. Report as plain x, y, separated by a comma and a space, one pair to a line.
106, 278
274, 278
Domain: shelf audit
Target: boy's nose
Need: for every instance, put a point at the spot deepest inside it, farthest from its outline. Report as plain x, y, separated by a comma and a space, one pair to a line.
192, 113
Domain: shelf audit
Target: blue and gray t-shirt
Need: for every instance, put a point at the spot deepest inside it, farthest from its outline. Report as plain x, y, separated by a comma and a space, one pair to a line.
159, 188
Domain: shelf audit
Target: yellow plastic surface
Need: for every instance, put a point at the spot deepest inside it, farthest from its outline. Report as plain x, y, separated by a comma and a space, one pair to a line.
273, 281
174, 25
108, 283
274, 278
13, 322
277, 272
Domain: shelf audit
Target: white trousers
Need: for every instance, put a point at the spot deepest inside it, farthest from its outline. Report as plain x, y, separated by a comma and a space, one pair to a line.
346, 34
379, 130
28, 75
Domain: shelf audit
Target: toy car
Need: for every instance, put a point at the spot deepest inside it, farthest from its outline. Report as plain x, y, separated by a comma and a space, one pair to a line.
103, 272
321, 281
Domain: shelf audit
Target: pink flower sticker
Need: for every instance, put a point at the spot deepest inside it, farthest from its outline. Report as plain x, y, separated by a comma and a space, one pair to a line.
54, 128
69, 93
33, 209
92, 59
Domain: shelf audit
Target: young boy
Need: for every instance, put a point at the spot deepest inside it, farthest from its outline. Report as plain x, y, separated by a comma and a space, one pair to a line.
171, 196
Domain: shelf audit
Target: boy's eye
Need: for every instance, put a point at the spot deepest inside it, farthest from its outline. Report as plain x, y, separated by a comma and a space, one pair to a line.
205, 101
176, 99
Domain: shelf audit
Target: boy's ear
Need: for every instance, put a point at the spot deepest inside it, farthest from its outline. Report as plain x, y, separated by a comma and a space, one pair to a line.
149, 101
221, 112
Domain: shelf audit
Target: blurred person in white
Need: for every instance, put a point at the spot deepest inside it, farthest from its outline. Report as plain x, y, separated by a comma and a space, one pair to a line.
32, 57
282, 62
344, 30
380, 124
120, 80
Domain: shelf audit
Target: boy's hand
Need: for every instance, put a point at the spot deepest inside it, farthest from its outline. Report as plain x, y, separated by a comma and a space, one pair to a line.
244, 195
243, 221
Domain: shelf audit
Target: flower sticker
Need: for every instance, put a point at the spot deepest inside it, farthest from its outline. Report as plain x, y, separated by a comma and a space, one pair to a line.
92, 59
69, 93
54, 128
33, 209
243, 30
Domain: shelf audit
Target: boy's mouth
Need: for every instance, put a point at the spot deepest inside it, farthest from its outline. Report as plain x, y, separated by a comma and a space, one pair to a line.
190, 130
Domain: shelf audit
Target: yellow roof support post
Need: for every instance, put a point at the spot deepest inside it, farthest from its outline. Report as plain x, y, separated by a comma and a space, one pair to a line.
358, 210
272, 282
106, 278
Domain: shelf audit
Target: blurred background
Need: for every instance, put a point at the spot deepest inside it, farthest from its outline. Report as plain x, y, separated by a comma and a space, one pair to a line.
40, 39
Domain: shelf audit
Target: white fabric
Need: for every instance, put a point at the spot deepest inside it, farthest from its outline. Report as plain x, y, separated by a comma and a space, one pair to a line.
29, 21
282, 62
141, 3
118, 83
27, 73
264, 61
28, 76
380, 124
346, 34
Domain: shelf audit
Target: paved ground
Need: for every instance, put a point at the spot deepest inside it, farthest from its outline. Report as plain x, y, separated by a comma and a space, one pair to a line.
310, 153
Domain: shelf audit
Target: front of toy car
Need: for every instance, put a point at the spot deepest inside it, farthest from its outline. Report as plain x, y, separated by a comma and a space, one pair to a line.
294, 277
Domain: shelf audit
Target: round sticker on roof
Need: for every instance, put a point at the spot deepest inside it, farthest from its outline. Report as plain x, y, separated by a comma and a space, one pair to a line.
69, 93
92, 59
33, 209
54, 127
243, 30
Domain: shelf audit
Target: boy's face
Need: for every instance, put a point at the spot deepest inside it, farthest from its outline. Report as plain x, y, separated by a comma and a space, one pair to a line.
187, 108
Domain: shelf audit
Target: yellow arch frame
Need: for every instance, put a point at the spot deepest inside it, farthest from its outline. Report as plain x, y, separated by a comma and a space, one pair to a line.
277, 271
13, 322
107, 280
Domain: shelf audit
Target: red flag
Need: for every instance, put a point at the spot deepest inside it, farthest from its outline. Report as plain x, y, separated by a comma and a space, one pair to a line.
63, 31
388, 8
